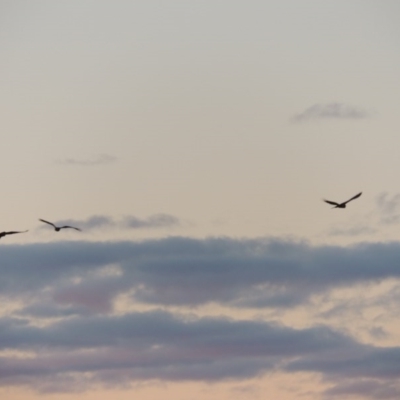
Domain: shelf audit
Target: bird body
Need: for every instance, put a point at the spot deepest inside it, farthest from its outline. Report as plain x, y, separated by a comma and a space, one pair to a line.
343, 205
58, 228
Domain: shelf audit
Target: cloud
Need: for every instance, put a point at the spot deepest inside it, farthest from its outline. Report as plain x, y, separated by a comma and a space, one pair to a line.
182, 271
155, 345
90, 223
366, 371
100, 159
95, 222
115, 350
367, 388
154, 221
388, 208
355, 230
66, 332
330, 111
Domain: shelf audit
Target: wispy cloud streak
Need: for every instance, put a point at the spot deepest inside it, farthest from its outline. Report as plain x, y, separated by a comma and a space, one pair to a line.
95, 222
154, 221
388, 208
101, 159
330, 111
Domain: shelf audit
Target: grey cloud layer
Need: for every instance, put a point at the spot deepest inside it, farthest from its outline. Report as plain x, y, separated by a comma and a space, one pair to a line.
179, 271
330, 111
158, 345
73, 286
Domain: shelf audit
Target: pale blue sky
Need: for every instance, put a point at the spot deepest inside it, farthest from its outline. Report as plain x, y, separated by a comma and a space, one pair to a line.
194, 99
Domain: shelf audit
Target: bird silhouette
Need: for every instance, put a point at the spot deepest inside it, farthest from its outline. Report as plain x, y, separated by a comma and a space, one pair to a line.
2, 234
342, 205
58, 228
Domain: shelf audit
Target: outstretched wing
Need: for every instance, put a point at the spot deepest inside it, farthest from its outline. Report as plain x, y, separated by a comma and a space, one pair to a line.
72, 227
355, 197
47, 222
331, 202
12, 232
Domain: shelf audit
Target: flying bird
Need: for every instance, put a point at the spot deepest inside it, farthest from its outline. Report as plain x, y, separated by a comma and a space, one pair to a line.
2, 234
58, 228
343, 205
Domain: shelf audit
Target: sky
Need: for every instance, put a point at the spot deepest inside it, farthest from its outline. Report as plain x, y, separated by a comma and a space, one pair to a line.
193, 143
